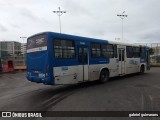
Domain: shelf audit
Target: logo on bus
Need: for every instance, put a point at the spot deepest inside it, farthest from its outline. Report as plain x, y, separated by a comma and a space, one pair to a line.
133, 62
64, 70
82, 43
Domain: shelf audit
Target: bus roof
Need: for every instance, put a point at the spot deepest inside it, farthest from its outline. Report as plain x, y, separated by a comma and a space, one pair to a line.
67, 36
78, 38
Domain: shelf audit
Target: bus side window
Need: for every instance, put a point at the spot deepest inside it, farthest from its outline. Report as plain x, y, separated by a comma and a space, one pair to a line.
80, 55
96, 50
129, 50
64, 49
136, 52
142, 52
115, 51
108, 50
119, 56
85, 55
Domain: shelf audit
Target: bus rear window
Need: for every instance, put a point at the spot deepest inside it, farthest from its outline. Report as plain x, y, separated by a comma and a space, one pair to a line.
37, 42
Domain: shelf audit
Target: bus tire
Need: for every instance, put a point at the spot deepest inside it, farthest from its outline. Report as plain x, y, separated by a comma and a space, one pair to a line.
142, 69
104, 76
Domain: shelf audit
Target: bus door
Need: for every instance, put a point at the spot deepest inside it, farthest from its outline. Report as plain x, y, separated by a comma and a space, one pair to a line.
121, 55
148, 60
83, 63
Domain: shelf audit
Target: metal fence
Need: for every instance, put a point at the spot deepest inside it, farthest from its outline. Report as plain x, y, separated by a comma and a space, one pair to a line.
155, 54
155, 57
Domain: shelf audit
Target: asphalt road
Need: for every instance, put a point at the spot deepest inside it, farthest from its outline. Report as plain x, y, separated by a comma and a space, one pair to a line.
128, 93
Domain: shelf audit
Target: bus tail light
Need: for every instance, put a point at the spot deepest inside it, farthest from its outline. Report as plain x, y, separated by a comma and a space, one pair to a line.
47, 70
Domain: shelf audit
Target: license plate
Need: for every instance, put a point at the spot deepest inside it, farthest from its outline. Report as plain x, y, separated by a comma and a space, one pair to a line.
36, 71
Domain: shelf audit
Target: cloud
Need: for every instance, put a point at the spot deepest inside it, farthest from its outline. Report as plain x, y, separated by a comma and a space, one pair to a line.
28, 14
15, 26
3, 28
76, 8
91, 18
151, 35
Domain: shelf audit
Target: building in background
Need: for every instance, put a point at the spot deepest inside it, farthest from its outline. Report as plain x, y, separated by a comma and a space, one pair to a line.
155, 58
156, 50
23, 48
155, 53
12, 52
9, 48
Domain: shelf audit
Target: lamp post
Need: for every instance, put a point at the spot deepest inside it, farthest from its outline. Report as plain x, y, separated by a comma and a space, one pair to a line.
23, 38
122, 16
59, 13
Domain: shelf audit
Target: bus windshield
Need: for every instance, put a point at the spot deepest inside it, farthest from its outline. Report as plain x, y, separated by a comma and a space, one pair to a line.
37, 43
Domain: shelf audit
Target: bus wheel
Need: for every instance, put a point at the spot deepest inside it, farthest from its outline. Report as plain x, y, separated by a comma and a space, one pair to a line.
142, 69
104, 76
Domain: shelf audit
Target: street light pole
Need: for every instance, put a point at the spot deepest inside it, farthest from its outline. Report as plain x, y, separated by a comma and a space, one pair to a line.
122, 16
23, 38
59, 13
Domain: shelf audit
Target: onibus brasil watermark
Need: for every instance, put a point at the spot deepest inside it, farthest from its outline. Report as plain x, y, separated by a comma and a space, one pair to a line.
37, 114
21, 114
143, 115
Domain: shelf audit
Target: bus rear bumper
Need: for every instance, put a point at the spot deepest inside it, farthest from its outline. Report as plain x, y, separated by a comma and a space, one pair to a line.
46, 80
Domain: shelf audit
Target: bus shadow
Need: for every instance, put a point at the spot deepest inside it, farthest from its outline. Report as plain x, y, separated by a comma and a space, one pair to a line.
47, 98
133, 75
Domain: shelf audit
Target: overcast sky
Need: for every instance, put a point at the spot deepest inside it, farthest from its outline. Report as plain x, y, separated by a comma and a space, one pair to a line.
90, 18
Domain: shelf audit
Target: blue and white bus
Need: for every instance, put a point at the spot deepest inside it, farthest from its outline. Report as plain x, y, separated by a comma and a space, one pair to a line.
54, 58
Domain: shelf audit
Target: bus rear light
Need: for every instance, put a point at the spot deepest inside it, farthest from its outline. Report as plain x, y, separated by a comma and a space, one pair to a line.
46, 74
47, 69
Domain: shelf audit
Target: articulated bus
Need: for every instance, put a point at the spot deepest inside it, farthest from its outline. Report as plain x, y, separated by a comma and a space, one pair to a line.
54, 58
